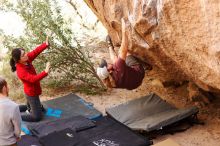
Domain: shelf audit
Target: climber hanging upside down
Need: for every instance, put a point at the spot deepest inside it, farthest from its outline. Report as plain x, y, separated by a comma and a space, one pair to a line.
125, 72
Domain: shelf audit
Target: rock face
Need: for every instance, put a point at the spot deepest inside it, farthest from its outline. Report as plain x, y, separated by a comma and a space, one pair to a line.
180, 37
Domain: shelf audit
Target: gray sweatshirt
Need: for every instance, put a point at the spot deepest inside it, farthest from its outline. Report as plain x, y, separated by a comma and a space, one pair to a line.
10, 122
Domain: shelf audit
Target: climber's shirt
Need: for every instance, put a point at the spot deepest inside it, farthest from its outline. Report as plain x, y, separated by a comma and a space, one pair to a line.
128, 77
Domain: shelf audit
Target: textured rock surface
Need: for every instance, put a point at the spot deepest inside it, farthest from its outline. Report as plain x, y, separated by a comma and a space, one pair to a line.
180, 37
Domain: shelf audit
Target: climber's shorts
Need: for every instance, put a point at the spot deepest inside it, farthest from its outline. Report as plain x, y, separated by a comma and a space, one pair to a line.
131, 61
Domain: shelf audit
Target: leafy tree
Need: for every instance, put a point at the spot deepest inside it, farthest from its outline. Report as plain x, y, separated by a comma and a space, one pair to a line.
70, 61
82, 22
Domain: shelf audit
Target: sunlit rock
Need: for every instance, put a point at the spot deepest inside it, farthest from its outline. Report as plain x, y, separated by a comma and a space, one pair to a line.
181, 37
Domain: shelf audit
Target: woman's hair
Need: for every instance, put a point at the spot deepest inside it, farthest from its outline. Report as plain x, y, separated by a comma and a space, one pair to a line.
15, 57
2, 83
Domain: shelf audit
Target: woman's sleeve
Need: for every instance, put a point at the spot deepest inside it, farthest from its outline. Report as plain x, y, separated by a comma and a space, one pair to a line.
33, 54
25, 76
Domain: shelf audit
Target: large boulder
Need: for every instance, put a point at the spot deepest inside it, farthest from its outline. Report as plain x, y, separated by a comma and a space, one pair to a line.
180, 37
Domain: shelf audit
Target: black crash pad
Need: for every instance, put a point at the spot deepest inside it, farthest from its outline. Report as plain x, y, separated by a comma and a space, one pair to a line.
107, 132
149, 113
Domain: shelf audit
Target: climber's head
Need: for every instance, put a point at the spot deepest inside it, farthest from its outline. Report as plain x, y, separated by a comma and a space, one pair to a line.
102, 70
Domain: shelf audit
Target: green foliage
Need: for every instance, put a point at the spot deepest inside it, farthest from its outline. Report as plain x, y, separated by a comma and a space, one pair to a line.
69, 60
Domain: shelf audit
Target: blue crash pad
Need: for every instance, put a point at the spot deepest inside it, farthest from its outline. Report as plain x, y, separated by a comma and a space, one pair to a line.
63, 107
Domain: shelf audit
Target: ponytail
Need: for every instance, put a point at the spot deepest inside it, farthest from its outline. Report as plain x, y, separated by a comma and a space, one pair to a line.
15, 57
12, 64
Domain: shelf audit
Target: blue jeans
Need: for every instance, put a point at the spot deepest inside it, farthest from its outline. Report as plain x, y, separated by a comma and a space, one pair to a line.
36, 113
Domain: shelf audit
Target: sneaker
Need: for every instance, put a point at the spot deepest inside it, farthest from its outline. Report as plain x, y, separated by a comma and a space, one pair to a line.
109, 41
103, 63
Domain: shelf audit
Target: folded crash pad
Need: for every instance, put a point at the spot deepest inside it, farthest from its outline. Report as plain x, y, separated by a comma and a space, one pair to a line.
64, 107
149, 113
76, 123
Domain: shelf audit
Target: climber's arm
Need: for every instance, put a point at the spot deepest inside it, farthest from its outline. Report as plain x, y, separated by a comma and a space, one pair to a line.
113, 55
124, 43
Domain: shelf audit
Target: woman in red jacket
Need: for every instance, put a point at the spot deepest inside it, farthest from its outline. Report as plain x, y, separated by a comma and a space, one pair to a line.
21, 62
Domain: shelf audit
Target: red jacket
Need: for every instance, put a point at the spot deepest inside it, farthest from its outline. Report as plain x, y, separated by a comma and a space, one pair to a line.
28, 75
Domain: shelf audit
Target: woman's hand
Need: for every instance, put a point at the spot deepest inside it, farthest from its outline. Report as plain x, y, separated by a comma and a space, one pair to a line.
47, 69
47, 42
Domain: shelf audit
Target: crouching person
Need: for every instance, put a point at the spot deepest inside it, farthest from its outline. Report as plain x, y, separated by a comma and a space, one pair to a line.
10, 118
21, 62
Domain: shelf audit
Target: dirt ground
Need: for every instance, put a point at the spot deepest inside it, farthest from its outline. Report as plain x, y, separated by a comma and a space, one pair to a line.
198, 135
